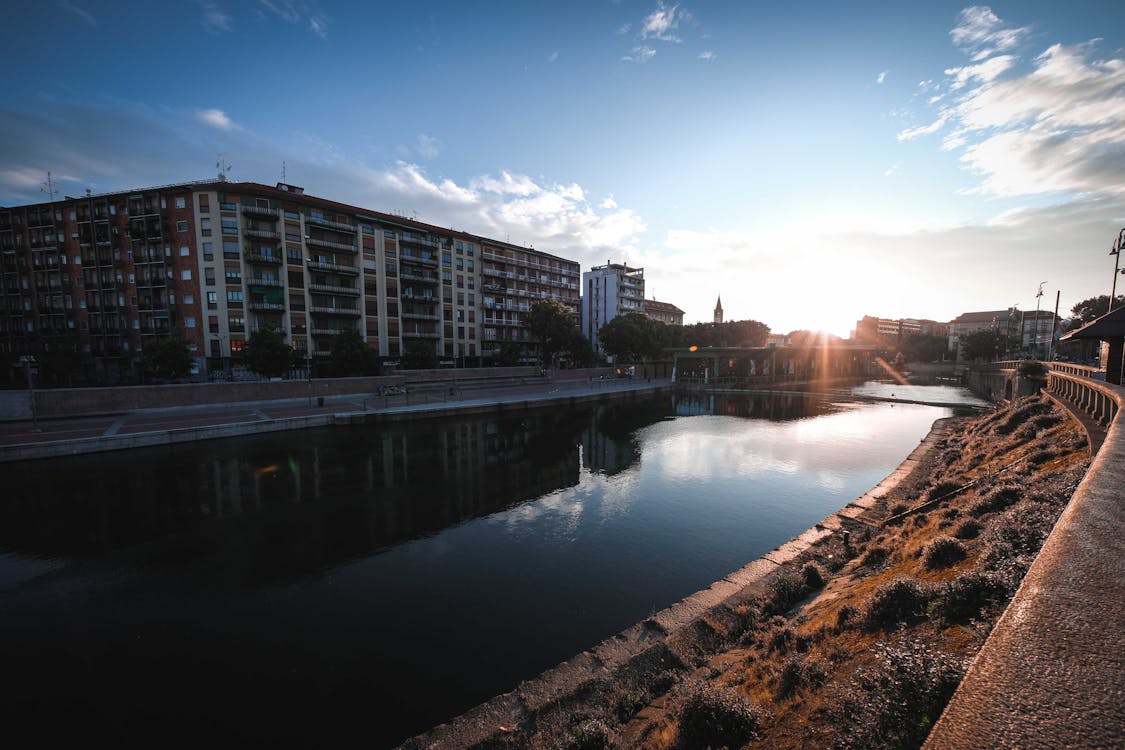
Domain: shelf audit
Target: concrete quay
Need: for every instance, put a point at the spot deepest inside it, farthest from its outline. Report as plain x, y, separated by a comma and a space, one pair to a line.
25, 440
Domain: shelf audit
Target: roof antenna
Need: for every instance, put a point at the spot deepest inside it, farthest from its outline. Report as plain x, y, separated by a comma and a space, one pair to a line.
283, 170
223, 168
48, 187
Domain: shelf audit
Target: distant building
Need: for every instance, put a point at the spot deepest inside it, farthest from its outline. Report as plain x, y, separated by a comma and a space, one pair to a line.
1036, 330
1004, 322
871, 330
665, 312
718, 310
608, 291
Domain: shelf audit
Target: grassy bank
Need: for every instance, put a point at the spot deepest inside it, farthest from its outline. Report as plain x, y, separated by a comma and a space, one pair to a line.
862, 640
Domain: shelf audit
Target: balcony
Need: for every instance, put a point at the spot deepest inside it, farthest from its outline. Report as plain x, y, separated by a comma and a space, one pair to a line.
338, 225
262, 211
266, 306
410, 275
349, 311
421, 335
429, 262
334, 267
329, 331
257, 281
418, 315
314, 242
333, 289
252, 257
264, 234
417, 239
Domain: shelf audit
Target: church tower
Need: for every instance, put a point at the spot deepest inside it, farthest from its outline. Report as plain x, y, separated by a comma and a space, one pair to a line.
718, 309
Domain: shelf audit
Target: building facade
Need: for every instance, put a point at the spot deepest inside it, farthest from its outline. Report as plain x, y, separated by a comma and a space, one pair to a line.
608, 291
215, 261
665, 312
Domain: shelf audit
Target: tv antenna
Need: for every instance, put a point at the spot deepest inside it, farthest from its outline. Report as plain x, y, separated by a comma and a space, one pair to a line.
223, 168
283, 171
48, 187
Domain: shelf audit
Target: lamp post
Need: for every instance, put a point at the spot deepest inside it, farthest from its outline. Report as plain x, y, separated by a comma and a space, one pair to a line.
29, 363
1115, 250
1035, 345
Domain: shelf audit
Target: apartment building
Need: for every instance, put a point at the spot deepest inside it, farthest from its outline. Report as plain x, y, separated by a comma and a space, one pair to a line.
609, 291
216, 261
664, 312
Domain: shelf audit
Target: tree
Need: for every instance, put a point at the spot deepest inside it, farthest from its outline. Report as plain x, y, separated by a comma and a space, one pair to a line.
633, 336
59, 360
553, 324
419, 354
1093, 308
509, 355
165, 359
732, 333
351, 356
581, 352
985, 344
267, 353
919, 348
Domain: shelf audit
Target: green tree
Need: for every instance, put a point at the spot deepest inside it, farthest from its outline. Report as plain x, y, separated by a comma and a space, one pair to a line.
919, 348
267, 353
1093, 308
509, 355
60, 360
165, 359
633, 336
350, 355
419, 354
985, 344
553, 324
581, 352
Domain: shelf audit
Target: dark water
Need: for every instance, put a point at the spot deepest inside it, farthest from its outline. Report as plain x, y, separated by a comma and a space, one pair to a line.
355, 586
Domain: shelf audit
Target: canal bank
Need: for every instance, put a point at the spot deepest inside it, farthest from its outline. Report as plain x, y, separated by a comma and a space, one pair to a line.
142, 428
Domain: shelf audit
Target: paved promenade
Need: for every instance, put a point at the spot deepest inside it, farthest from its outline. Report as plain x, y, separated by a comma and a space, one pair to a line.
24, 440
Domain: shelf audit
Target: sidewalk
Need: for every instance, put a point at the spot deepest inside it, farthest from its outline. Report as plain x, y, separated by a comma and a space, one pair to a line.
26, 440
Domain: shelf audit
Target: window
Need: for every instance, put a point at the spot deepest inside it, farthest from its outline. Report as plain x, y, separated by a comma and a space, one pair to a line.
460, 281
230, 248
469, 248
230, 226
470, 265
460, 316
184, 251
204, 206
367, 229
392, 269
209, 276
185, 274
447, 277
460, 264
293, 236
234, 295
224, 206
181, 202
189, 299
189, 322
459, 247
212, 300
213, 324
208, 251
472, 299
181, 226
205, 227
234, 275
445, 260
460, 298
315, 214
292, 215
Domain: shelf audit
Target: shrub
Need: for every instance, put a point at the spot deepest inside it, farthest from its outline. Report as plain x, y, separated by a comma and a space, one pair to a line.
968, 529
1041, 457
788, 589
997, 498
813, 575
941, 552
894, 703
591, 734
901, 600
1021, 414
941, 489
1046, 421
874, 557
845, 615
782, 639
797, 673
963, 598
715, 716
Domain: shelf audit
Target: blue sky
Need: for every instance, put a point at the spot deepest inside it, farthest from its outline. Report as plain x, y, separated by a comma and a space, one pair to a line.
811, 162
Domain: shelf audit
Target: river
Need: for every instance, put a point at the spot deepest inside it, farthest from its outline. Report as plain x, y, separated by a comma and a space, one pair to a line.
358, 585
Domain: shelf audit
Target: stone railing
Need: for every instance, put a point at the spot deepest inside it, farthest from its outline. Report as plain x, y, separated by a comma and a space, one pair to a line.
1049, 674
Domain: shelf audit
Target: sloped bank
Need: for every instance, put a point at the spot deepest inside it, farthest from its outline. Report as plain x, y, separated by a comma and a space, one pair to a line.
736, 665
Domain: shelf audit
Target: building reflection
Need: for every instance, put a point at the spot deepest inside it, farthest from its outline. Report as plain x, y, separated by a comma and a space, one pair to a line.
280, 507
780, 407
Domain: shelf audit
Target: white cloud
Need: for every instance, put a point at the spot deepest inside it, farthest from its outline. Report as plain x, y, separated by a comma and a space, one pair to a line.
981, 33
553, 56
624, 28
707, 56
640, 55
85, 15
214, 19
1056, 125
662, 22
216, 118
428, 146
882, 76
893, 170
298, 11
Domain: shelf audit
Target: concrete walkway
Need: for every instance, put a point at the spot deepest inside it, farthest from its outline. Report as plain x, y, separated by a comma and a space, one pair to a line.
26, 440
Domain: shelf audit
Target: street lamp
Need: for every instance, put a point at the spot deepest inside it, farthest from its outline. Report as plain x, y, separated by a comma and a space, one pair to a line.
28, 362
1035, 345
1115, 250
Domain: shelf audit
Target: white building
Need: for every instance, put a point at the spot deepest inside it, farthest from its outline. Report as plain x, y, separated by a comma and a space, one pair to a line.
609, 291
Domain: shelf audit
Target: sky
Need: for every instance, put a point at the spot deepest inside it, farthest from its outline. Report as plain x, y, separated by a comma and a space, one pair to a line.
810, 162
